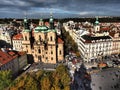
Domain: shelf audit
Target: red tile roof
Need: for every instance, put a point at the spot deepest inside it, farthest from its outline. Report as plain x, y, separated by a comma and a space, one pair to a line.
112, 33
5, 57
8, 56
18, 36
21, 53
105, 29
47, 24
60, 40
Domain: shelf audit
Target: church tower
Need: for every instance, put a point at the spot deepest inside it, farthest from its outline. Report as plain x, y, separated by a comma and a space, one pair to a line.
26, 37
97, 26
41, 23
51, 21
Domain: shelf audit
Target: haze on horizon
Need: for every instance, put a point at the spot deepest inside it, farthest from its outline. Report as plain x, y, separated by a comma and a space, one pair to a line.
59, 8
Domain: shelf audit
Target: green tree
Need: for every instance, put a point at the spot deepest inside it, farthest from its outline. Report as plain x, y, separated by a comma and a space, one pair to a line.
5, 79
31, 84
45, 83
61, 77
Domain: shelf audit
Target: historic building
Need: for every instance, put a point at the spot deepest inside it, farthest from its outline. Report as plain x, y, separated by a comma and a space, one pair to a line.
17, 42
97, 41
12, 60
42, 42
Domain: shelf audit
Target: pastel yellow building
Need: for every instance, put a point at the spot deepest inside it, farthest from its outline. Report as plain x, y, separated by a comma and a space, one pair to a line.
42, 42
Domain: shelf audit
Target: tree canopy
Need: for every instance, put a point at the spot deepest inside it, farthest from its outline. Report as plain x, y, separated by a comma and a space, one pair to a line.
5, 79
43, 80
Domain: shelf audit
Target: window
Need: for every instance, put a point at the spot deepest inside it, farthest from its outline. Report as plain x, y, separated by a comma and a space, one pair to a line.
39, 51
51, 38
51, 52
39, 37
60, 52
25, 37
51, 58
39, 58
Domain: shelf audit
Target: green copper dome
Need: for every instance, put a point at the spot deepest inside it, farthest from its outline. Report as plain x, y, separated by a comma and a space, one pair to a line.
41, 29
96, 22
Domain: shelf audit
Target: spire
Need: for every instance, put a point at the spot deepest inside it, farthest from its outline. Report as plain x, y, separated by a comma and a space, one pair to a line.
51, 21
25, 20
26, 24
96, 22
41, 22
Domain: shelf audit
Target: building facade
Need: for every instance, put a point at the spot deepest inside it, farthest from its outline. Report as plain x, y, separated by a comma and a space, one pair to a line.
12, 60
42, 42
17, 42
95, 41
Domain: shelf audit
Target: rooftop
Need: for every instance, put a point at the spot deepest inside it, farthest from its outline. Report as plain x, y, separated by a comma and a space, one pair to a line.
60, 40
17, 37
5, 57
89, 38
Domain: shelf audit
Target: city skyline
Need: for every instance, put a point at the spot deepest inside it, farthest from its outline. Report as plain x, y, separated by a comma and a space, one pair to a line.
59, 8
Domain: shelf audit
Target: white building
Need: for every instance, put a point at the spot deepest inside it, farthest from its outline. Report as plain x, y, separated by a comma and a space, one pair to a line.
95, 41
93, 47
17, 42
6, 37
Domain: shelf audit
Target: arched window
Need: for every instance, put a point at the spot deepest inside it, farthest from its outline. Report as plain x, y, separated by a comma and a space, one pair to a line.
39, 51
51, 38
25, 37
51, 52
51, 58
60, 52
39, 58
39, 37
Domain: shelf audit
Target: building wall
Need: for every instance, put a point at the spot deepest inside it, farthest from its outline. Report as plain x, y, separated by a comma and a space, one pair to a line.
51, 37
94, 50
22, 61
116, 44
6, 37
51, 54
12, 65
60, 52
38, 35
17, 45
45, 49
26, 42
97, 28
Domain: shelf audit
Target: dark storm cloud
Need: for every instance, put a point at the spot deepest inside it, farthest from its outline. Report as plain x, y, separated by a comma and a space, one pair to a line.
60, 7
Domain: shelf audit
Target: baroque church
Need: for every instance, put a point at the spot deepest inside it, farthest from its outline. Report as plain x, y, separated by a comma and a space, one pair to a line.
42, 42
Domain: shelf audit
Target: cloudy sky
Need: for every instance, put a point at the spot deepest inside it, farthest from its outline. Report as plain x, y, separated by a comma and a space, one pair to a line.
59, 8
